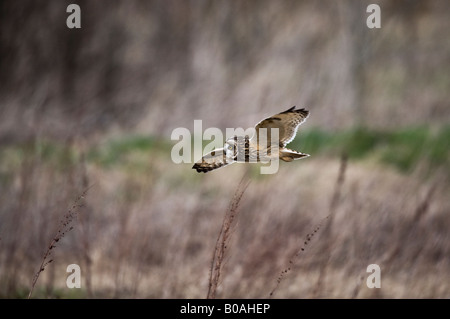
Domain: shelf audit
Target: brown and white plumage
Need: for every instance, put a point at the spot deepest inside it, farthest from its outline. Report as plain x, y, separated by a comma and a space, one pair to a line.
287, 122
212, 160
245, 149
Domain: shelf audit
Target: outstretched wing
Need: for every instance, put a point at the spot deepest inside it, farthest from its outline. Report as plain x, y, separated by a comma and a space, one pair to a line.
211, 161
287, 122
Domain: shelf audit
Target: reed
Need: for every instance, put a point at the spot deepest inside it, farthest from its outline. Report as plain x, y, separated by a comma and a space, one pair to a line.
223, 239
65, 226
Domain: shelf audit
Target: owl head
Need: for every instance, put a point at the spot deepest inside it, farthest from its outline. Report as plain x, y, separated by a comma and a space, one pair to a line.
231, 147
235, 146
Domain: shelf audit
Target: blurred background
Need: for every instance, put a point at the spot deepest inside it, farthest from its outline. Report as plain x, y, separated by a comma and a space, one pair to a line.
96, 107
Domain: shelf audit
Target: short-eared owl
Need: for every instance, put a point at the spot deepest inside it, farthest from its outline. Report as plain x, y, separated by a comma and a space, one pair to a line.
256, 149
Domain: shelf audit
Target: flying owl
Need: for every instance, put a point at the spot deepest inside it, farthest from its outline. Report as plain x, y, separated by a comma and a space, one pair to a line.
256, 148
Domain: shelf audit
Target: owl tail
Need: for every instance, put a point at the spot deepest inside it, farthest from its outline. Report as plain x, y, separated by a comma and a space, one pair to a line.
288, 155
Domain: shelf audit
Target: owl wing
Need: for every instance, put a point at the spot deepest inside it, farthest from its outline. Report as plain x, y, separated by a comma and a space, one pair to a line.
287, 122
211, 161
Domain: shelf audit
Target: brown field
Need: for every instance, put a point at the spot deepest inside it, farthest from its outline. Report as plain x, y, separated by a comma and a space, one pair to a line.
151, 232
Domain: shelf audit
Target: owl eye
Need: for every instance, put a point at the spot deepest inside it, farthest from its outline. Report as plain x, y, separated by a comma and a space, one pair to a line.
230, 147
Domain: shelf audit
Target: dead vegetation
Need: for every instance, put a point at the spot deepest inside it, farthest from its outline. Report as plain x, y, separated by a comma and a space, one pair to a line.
148, 234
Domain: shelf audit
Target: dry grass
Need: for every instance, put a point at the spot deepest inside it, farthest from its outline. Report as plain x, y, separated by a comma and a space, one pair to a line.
327, 243
65, 226
150, 230
223, 240
297, 254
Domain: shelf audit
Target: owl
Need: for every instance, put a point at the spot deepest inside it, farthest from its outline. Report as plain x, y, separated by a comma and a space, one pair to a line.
258, 148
